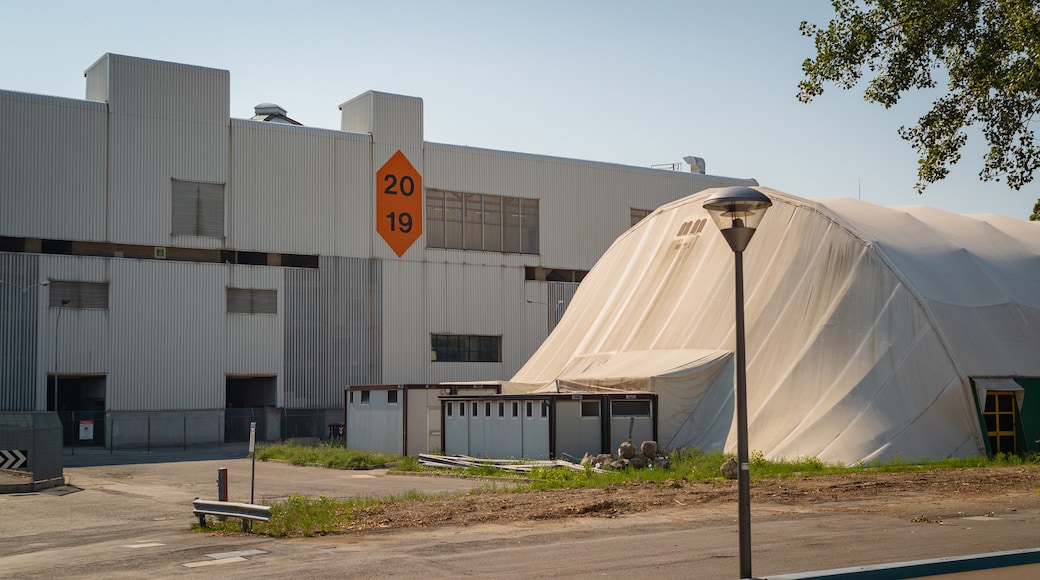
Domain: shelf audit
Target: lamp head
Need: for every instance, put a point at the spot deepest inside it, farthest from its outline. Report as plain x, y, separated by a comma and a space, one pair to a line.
737, 212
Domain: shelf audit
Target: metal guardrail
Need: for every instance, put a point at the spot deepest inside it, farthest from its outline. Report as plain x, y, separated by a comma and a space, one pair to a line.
247, 512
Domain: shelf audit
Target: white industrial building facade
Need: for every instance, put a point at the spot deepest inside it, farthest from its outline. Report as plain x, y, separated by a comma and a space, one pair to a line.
198, 264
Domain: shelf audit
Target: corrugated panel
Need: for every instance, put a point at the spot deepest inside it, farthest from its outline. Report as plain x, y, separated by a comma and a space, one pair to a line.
168, 335
141, 87
295, 189
583, 205
77, 340
255, 342
167, 121
41, 134
332, 330
146, 154
20, 332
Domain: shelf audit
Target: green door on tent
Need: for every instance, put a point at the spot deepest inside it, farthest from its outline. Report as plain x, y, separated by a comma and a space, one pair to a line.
1029, 426
1008, 427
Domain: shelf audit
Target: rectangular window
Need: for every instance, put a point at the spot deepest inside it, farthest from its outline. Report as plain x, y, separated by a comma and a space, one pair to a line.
590, 408
487, 409
434, 218
492, 223
481, 222
351, 397
516, 409
545, 409
475, 410
453, 220
637, 215
529, 226
501, 409
366, 397
198, 209
473, 236
252, 301
630, 408
85, 295
530, 409
466, 348
391, 397
462, 409
999, 415
511, 228
448, 408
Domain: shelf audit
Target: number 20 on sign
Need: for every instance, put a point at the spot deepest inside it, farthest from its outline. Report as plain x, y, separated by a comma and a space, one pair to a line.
399, 203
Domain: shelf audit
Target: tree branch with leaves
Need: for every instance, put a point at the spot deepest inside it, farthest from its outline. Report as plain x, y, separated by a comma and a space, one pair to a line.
988, 52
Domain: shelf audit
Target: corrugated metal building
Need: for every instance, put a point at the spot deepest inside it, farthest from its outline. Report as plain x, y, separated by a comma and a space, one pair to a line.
201, 268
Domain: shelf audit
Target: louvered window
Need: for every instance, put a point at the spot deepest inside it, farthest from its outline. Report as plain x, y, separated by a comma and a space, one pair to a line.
78, 294
252, 301
198, 209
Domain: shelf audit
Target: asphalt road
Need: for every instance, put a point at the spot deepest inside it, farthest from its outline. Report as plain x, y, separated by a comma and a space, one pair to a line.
129, 515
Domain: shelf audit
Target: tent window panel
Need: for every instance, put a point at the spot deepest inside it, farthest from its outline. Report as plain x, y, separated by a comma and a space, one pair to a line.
630, 409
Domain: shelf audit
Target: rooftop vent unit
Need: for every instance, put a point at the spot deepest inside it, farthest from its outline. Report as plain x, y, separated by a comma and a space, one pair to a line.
697, 164
273, 113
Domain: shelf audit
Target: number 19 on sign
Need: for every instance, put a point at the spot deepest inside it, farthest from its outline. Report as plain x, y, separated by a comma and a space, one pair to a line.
399, 203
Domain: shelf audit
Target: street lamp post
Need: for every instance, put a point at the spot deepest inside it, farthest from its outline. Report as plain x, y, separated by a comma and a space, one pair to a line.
737, 212
57, 321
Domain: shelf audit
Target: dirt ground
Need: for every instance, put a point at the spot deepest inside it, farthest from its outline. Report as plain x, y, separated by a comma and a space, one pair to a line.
920, 496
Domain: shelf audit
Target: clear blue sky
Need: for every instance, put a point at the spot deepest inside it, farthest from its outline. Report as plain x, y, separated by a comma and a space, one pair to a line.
637, 83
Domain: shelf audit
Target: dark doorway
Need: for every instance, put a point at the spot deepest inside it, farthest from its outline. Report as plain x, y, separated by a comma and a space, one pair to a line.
246, 400
80, 403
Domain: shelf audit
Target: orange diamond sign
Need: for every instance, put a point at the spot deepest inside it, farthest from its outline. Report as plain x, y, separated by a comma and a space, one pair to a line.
399, 203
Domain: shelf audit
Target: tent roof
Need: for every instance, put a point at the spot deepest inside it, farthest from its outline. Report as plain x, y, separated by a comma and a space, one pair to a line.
863, 323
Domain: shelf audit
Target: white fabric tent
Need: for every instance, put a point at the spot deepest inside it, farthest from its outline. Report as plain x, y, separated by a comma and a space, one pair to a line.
864, 325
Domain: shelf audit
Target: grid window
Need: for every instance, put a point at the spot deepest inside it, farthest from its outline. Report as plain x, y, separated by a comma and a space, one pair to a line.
1000, 421
466, 348
87, 295
252, 301
483, 223
198, 209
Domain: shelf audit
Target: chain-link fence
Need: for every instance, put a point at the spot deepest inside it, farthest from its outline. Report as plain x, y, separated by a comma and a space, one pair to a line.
195, 429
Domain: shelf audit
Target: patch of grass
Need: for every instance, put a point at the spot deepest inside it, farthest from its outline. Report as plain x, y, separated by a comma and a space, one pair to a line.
325, 454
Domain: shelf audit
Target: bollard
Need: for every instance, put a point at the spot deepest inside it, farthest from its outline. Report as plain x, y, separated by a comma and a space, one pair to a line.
221, 488
222, 484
